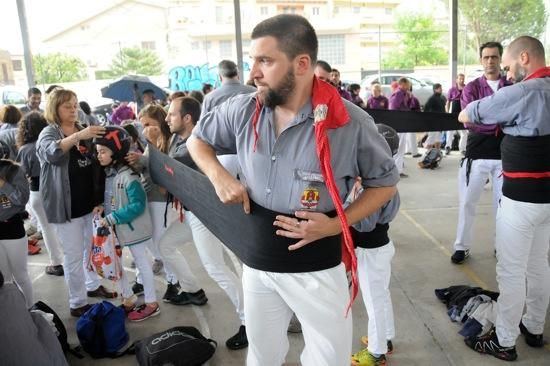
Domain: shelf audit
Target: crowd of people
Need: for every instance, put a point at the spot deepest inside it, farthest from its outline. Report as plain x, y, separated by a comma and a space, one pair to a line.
267, 145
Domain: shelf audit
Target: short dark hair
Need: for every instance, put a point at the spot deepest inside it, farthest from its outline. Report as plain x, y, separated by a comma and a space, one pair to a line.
148, 91
526, 43
294, 35
491, 45
53, 87
336, 70
323, 65
198, 95
228, 69
191, 106
353, 87
436, 86
33, 91
206, 88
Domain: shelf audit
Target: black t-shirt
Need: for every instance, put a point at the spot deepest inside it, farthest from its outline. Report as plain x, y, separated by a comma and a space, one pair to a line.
81, 178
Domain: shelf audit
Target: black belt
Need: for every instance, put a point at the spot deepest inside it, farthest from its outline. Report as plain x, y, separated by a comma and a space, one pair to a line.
408, 121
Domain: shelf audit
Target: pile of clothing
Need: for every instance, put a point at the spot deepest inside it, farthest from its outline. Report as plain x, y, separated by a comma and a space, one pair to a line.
473, 307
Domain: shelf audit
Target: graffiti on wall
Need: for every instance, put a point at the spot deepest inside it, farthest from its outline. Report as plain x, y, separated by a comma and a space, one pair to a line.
193, 77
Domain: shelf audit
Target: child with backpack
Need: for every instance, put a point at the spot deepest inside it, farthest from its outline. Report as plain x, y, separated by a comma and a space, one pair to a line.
127, 213
374, 251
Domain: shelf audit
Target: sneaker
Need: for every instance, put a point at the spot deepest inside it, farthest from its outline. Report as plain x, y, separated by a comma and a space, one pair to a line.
365, 358
33, 249
32, 242
239, 340
488, 344
157, 266
129, 303
133, 264
78, 312
417, 155
143, 312
294, 326
37, 235
55, 270
533, 340
137, 289
171, 291
365, 341
31, 230
102, 292
403, 175
186, 298
460, 256
447, 150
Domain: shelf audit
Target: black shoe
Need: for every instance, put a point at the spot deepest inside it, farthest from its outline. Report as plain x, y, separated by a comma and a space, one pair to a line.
403, 175
447, 150
460, 256
294, 326
171, 291
533, 340
186, 298
239, 340
102, 292
417, 155
488, 344
78, 312
55, 270
137, 289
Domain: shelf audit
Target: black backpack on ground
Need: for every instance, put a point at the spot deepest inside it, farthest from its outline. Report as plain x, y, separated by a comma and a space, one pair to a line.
178, 346
431, 160
62, 336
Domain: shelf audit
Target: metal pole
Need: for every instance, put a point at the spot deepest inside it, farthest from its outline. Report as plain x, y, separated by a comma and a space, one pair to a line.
26, 44
453, 35
380, 53
239, 39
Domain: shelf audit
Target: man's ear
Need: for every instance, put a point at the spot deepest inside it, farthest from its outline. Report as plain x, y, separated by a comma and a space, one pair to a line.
303, 64
524, 58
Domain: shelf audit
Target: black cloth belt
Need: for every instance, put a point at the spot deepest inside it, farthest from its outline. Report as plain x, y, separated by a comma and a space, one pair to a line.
251, 237
408, 121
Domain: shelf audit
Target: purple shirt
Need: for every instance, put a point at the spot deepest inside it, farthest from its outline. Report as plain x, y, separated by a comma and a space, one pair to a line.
122, 113
344, 94
479, 89
379, 102
400, 101
414, 104
454, 93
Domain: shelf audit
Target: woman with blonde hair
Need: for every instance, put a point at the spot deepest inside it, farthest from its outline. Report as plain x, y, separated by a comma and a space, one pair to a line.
71, 186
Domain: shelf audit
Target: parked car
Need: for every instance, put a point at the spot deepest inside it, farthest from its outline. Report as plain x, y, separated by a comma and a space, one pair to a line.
421, 89
11, 95
102, 113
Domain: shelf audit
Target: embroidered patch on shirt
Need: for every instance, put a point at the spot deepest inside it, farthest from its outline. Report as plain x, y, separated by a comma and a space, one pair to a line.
310, 198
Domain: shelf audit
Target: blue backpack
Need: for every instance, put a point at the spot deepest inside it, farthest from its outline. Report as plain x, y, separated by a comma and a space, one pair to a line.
102, 330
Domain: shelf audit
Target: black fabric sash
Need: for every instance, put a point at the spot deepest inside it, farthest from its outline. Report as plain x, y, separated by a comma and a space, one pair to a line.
251, 237
408, 121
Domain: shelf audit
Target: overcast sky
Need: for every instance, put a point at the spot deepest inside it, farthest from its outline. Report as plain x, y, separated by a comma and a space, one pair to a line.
47, 17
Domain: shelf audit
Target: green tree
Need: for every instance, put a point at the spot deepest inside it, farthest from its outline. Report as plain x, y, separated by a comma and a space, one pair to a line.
58, 68
135, 61
503, 20
421, 43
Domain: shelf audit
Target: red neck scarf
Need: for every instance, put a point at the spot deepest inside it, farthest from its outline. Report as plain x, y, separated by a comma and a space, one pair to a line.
543, 72
329, 113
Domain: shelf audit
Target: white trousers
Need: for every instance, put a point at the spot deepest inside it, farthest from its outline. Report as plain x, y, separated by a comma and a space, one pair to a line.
210, 250
319, 300
144, 267
156, 210
399, 157
75, 237
13, 264
469, 195
461, 142
48, 232
523, 240
374, 272
411, 144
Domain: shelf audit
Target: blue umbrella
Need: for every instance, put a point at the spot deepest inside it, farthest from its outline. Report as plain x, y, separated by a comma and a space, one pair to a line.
123, 88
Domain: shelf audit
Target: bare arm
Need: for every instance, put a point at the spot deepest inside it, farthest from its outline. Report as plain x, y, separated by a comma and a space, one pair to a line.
228, 189
316, 225
88, 133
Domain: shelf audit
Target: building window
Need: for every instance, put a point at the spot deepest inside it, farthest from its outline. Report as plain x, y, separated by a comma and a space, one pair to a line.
332, 49
315, 11
206, 45
263, 10
195, 45
225, 48
148, 45
289, 10
17, 65
219, 14
388, 11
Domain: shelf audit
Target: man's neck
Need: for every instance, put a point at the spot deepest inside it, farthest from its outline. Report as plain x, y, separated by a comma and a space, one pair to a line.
184, 134
532, 67
492, 77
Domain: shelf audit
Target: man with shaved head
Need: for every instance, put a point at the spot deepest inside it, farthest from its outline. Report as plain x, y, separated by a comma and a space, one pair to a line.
523, 219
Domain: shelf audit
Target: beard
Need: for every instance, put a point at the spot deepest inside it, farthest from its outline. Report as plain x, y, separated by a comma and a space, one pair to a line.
280, 93
520, 73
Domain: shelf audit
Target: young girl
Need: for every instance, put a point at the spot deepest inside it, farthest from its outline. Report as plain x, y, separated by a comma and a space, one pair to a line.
27, 134
127, 213
14, 194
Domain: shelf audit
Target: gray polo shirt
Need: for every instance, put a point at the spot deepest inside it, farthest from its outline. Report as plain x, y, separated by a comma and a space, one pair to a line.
227, 90
283, 174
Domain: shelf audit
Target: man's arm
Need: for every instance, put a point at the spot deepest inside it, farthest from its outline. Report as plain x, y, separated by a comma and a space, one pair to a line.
502, 108
228, 189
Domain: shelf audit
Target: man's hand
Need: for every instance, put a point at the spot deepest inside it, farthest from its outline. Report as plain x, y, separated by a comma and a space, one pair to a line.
307, 226
230, 190
463, 117
98, 210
